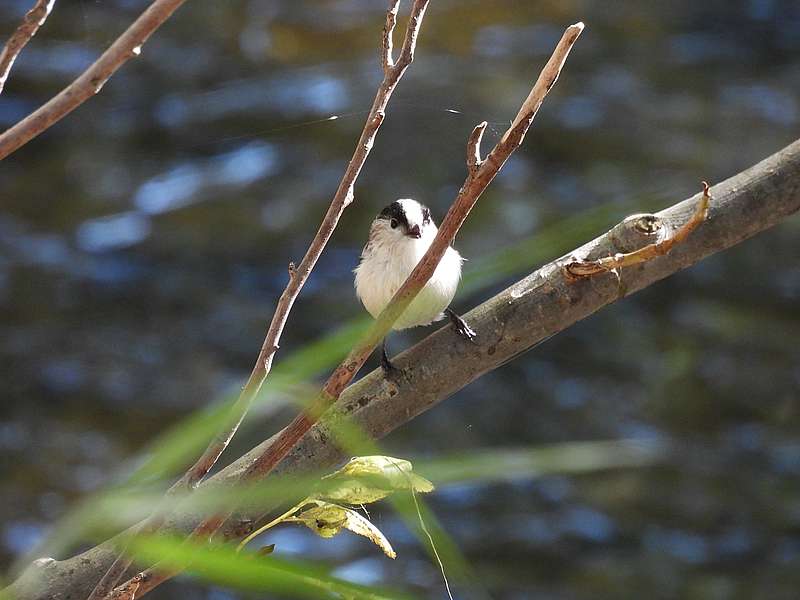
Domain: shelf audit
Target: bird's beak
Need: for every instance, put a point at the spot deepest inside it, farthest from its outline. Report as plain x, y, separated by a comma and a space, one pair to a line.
414, 232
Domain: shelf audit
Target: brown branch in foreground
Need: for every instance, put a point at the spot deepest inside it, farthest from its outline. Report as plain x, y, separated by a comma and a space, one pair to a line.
586, 268
31, 22
533, 309
298, 274
476, 182
91, 81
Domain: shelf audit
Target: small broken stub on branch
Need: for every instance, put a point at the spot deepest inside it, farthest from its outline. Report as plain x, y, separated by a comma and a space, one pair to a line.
645, 225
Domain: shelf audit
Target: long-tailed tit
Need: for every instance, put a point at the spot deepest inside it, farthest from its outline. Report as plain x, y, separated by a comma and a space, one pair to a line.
398, 238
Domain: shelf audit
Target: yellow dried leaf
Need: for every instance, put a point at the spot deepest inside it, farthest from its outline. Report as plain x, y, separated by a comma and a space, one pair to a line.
363, 526
375, 466
354, 491
367, 479
326, 520
323, 518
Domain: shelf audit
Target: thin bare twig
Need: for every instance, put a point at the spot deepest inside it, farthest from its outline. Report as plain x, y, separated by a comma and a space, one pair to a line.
298, 274
31, 22
91, 81
476, 182
587, 268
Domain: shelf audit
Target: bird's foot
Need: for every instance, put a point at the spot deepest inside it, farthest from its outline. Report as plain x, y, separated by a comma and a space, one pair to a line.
461, 326
389, 370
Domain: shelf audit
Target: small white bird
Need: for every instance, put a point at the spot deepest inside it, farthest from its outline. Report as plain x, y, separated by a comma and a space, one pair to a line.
398, 238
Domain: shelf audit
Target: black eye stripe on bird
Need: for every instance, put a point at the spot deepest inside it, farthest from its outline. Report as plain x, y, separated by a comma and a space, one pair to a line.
398, 239
394, 211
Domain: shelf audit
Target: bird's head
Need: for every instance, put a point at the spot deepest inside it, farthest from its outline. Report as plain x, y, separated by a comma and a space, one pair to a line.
405, 219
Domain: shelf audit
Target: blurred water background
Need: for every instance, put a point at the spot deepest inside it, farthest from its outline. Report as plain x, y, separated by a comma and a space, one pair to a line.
144, 242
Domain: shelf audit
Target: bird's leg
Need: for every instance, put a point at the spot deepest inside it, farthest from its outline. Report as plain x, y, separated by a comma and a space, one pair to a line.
460, 325
389, 370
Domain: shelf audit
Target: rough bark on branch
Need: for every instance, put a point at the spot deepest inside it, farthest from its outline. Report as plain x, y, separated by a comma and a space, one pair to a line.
540, 305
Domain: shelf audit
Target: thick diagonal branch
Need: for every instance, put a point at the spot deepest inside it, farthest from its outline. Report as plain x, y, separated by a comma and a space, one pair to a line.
542, 304
530, 311
31, 22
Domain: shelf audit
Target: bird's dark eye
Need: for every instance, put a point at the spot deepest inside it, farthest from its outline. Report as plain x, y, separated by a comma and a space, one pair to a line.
393, 223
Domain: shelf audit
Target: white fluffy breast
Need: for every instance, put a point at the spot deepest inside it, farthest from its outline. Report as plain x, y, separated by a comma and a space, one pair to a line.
386, 262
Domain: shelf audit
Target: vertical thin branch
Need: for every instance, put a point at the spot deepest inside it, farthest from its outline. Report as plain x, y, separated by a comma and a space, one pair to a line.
476, 182
31, 22
298, 274
91, 81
